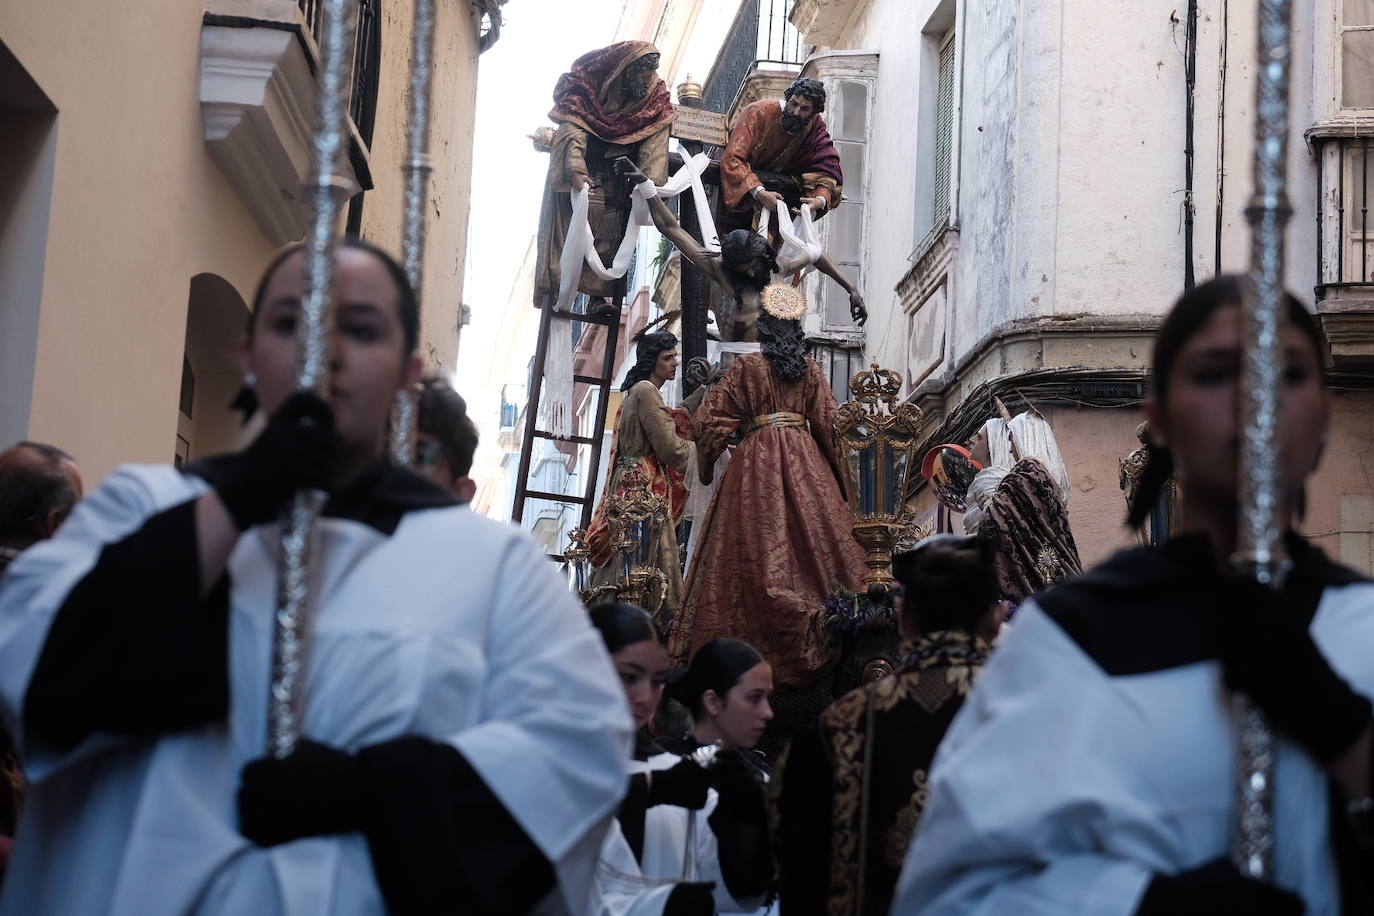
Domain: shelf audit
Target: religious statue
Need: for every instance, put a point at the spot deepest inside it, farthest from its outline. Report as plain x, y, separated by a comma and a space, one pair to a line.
743, 271
1159, 524
656, 441
1017, 503
778, 536
780, 148
612, 103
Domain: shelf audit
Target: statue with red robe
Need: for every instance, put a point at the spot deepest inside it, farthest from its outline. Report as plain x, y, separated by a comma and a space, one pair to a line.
781, 148
612, 103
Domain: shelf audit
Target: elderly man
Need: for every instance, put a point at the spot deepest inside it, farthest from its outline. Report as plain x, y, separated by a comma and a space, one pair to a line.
39, 484
781, 149
611, 103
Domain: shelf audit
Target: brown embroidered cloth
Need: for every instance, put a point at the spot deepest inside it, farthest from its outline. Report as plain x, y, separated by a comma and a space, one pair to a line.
759, 141
595, 126
1028, 524
778, 532
852, 789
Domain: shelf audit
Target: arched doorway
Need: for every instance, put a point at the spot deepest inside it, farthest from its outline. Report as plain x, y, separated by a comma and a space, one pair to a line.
210, 372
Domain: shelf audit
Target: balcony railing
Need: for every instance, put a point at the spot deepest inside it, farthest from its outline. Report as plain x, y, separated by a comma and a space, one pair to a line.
366, 59
1345, 238
760, 34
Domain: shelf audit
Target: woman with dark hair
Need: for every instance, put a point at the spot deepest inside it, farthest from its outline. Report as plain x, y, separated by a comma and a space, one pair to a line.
778, 534
727, 690
669, 824
135, 662
852, 788
654, 442
1111, 697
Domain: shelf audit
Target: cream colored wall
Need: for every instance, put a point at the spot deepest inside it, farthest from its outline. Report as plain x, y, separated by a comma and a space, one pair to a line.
453, 113
138, 208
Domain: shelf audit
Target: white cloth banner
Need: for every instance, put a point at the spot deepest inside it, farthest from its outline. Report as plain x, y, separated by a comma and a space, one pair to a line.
580, 246
798, 236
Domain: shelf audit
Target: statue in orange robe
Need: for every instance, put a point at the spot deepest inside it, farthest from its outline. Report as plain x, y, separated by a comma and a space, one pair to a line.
778, 535
783, 148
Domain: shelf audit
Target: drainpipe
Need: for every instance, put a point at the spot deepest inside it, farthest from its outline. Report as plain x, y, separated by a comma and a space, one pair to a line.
1190, 81
1221, 126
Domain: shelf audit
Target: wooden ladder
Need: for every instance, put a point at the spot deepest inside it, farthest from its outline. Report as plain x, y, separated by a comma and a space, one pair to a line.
611, 321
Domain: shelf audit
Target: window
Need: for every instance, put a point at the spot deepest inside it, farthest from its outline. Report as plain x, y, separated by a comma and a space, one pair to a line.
847, 116
1346, 172
1357, 54
944, 130
937, 130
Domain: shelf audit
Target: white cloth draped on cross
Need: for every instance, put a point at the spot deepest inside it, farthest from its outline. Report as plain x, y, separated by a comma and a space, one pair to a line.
579, 247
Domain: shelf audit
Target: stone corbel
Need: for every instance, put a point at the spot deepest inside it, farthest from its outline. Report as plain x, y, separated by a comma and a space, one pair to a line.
823, 22
257, 93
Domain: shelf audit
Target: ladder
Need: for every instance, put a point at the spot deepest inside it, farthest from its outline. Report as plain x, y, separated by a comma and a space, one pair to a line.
611, 321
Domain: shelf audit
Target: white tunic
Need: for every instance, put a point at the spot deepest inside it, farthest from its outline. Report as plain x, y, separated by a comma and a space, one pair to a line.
630, 888
1061, 790
454, 628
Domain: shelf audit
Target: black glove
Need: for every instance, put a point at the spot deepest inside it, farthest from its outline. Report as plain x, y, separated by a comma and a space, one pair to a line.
317, 790
295, 452
1267, 654
691, 898
684, 785
1217, 887
740, 787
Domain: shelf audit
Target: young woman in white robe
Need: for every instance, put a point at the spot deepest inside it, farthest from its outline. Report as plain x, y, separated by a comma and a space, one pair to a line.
664, 853
464, 736
1092, 769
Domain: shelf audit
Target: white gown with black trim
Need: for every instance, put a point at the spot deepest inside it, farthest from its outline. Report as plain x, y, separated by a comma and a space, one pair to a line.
450, 627
1069, 778
640, 888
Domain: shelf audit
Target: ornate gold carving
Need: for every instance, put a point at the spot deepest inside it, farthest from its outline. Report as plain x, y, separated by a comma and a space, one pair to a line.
876, 438
783, 300
542, 138
690, 90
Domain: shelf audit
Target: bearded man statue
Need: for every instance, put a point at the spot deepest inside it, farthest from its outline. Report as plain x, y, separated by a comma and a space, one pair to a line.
781, 149
612, 103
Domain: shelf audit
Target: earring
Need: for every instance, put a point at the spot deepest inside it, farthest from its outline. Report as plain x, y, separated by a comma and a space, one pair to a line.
250, 379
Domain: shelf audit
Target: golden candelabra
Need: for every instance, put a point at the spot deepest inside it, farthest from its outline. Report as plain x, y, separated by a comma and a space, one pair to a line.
636, 516
876, 438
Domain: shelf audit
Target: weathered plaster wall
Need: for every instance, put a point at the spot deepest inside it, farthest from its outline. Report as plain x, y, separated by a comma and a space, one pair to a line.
138, 208
1340, 494
1070, 181
454, 110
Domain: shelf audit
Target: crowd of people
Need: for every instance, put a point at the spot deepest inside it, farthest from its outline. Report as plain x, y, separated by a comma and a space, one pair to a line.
474, 740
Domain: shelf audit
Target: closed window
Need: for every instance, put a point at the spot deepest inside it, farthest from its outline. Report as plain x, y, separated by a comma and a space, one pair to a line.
847, 116
1357, 54
944, 130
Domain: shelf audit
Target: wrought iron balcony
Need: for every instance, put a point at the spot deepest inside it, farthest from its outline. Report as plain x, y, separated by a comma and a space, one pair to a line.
761, 35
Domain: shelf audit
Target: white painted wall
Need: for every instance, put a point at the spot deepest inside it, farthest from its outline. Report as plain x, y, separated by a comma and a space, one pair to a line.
1070, 165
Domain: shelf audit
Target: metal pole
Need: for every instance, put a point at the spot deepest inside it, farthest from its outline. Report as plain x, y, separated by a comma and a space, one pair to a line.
328, 192
1259, 543
416, 170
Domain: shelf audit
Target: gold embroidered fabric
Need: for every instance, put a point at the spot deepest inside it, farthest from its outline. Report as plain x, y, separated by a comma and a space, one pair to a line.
778, 533
774, 421
881, 741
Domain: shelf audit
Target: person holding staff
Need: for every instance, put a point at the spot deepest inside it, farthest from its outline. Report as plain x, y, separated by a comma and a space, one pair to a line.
464, 736
1113, 691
